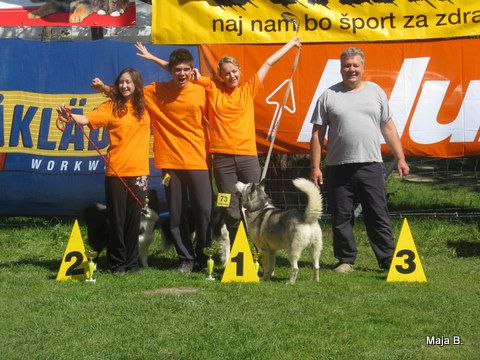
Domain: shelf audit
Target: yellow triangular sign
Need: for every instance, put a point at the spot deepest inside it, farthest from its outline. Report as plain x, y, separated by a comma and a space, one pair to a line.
406, 265
240, 266
74, 263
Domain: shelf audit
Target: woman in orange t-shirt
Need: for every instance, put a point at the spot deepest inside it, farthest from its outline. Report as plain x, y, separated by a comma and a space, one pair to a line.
232, 126
128, 125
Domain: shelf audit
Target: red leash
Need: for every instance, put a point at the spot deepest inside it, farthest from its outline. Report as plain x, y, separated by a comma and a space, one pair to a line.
61, 123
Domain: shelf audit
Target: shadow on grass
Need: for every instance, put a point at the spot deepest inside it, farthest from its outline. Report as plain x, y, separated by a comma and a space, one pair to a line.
162, 262
283, 262
154, 262
35, 221
52, 265
465, 248
304, 265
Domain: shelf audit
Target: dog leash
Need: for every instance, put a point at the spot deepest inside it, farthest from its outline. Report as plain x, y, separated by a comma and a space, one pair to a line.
289, 18
61, 124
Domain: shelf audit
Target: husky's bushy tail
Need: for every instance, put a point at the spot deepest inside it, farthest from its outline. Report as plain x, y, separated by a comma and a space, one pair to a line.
314, 208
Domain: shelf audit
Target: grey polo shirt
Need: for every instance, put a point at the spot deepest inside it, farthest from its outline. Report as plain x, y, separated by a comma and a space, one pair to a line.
353, 119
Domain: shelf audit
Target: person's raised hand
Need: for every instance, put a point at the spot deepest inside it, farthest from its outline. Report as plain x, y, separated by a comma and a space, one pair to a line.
195, 74
97, 84
143, 52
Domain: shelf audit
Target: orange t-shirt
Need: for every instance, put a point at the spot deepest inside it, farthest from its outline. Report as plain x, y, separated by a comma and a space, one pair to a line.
179, 134
129, 150
231, 116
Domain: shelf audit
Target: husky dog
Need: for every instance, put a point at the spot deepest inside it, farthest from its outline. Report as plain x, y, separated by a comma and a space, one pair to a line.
80, 9
273, 229
97, 227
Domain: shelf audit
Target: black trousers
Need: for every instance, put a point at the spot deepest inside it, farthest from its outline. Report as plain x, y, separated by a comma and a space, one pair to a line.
367, 181
228, 169
124, 215
192, 186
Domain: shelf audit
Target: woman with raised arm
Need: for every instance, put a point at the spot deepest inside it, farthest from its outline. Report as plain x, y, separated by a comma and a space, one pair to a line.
232, 123
127, 168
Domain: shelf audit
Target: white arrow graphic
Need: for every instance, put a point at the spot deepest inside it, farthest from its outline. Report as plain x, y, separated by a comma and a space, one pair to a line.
279, 112
279, 108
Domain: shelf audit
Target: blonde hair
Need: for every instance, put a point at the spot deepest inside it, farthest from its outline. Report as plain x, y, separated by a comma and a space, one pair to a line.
227, 59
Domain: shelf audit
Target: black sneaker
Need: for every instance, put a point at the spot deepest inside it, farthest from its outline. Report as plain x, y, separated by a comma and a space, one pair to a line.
133, 269
385, 268
200, 269
201, 266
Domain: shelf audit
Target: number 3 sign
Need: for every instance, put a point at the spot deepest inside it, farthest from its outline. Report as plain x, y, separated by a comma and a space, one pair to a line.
74, 263
406, 265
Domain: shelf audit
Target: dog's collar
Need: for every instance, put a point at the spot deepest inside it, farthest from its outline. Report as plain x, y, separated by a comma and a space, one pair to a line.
266, 206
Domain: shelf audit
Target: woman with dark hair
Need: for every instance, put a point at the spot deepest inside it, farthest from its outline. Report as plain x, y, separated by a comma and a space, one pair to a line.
128, 125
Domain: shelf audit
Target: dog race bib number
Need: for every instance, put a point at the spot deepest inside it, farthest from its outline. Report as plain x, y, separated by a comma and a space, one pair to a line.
223, 199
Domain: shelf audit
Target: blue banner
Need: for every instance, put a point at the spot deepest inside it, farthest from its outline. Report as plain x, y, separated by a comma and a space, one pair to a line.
44, 171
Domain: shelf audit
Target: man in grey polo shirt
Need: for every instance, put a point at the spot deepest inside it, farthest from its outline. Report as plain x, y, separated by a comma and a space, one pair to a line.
356, 113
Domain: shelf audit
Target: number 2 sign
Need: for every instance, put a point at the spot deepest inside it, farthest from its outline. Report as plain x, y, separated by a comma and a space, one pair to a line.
74, 263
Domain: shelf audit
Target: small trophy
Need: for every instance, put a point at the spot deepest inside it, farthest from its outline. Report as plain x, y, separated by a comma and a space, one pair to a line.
210, 252
256, 257
91, 266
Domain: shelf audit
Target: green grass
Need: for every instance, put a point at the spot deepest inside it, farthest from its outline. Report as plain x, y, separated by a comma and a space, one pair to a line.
421, 194
345, 316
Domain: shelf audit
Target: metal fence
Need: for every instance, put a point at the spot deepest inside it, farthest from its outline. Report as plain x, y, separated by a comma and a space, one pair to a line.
444, 173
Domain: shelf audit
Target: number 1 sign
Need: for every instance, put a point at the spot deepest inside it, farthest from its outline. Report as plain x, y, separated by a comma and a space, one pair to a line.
240, 266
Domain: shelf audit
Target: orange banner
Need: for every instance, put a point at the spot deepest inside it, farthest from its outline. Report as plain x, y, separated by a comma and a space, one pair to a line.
433, 89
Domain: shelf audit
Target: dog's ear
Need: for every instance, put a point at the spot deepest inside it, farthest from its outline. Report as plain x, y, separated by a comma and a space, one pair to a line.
240, 187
